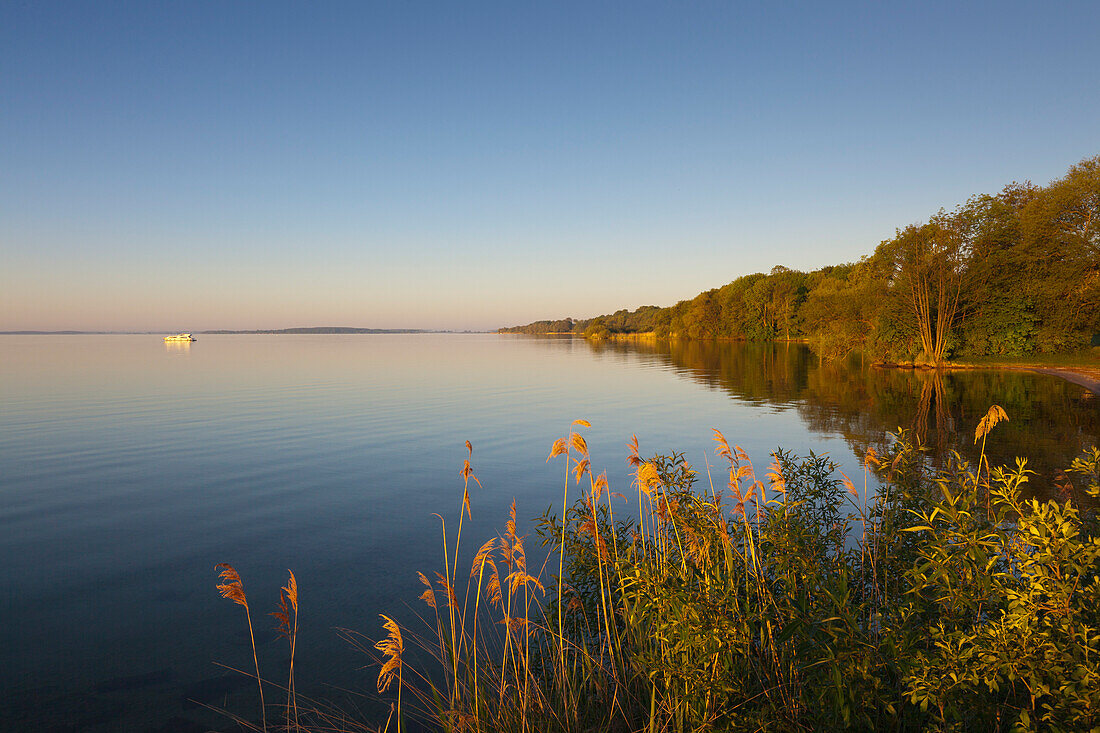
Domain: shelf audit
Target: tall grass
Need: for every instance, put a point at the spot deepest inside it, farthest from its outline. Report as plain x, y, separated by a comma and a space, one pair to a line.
793, 602
286, 617
233, 588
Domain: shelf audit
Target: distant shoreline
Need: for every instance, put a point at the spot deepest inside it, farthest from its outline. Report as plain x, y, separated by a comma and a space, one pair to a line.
320, 330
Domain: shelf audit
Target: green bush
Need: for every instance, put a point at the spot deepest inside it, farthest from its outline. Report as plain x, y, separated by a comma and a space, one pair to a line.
943, 600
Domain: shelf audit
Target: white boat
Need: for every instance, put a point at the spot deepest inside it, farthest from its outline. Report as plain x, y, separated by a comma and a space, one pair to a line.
179, 337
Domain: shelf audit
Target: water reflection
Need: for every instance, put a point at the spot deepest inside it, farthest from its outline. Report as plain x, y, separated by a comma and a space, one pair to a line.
1050, 422
177, 347
931, 410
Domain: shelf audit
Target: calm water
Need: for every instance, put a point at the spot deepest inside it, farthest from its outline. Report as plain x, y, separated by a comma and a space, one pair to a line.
128, 468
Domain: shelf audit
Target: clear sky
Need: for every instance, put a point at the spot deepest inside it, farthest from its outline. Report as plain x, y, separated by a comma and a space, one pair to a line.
194, 165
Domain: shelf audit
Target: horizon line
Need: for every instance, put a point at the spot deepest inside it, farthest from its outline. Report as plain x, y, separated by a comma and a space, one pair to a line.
297, 330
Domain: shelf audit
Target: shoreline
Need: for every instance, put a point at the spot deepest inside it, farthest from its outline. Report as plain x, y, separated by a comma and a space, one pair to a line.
1087, 377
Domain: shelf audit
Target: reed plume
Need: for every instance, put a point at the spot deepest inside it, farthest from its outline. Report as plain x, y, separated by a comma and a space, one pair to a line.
993, 415
288, 629
633, 459
562, 446
233, 589
392, 647
427, 596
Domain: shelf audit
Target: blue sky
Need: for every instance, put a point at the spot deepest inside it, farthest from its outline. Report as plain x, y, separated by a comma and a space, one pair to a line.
467, 165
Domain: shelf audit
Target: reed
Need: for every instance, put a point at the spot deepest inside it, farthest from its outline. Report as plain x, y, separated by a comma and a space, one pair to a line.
392, 648
232, 588
287, 617
992, 416
802, 604
793, 602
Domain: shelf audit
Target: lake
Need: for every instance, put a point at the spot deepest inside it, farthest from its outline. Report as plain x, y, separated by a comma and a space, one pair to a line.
129, 467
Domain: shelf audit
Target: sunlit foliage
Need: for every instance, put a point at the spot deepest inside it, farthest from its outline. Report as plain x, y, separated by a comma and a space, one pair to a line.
1012, 273
788, 599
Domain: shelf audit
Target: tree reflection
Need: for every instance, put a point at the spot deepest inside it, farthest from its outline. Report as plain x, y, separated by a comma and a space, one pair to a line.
931, 406
1050, 420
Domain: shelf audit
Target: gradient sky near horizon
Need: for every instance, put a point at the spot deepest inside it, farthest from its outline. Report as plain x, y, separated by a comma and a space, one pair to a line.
470, 165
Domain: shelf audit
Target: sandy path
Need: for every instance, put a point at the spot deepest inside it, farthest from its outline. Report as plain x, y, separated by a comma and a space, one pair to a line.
1087, 378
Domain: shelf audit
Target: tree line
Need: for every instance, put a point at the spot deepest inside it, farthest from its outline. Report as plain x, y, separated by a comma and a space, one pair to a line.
1012, 273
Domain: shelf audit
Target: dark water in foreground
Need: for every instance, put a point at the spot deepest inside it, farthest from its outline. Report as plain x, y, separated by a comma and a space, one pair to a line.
128, 468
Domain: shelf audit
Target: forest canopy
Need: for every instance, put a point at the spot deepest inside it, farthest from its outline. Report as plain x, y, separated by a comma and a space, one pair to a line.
1011, 273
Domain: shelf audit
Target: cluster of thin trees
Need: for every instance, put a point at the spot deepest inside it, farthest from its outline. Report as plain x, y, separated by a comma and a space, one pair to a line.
1011, 273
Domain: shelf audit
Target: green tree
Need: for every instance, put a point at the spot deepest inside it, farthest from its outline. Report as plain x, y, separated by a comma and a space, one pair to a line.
701, 319
1061, 243
596, 329
928, 264
788, 292
1009, 274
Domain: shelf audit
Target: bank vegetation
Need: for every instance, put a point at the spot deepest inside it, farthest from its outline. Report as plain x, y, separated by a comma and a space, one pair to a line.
1008, 274
789, 599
